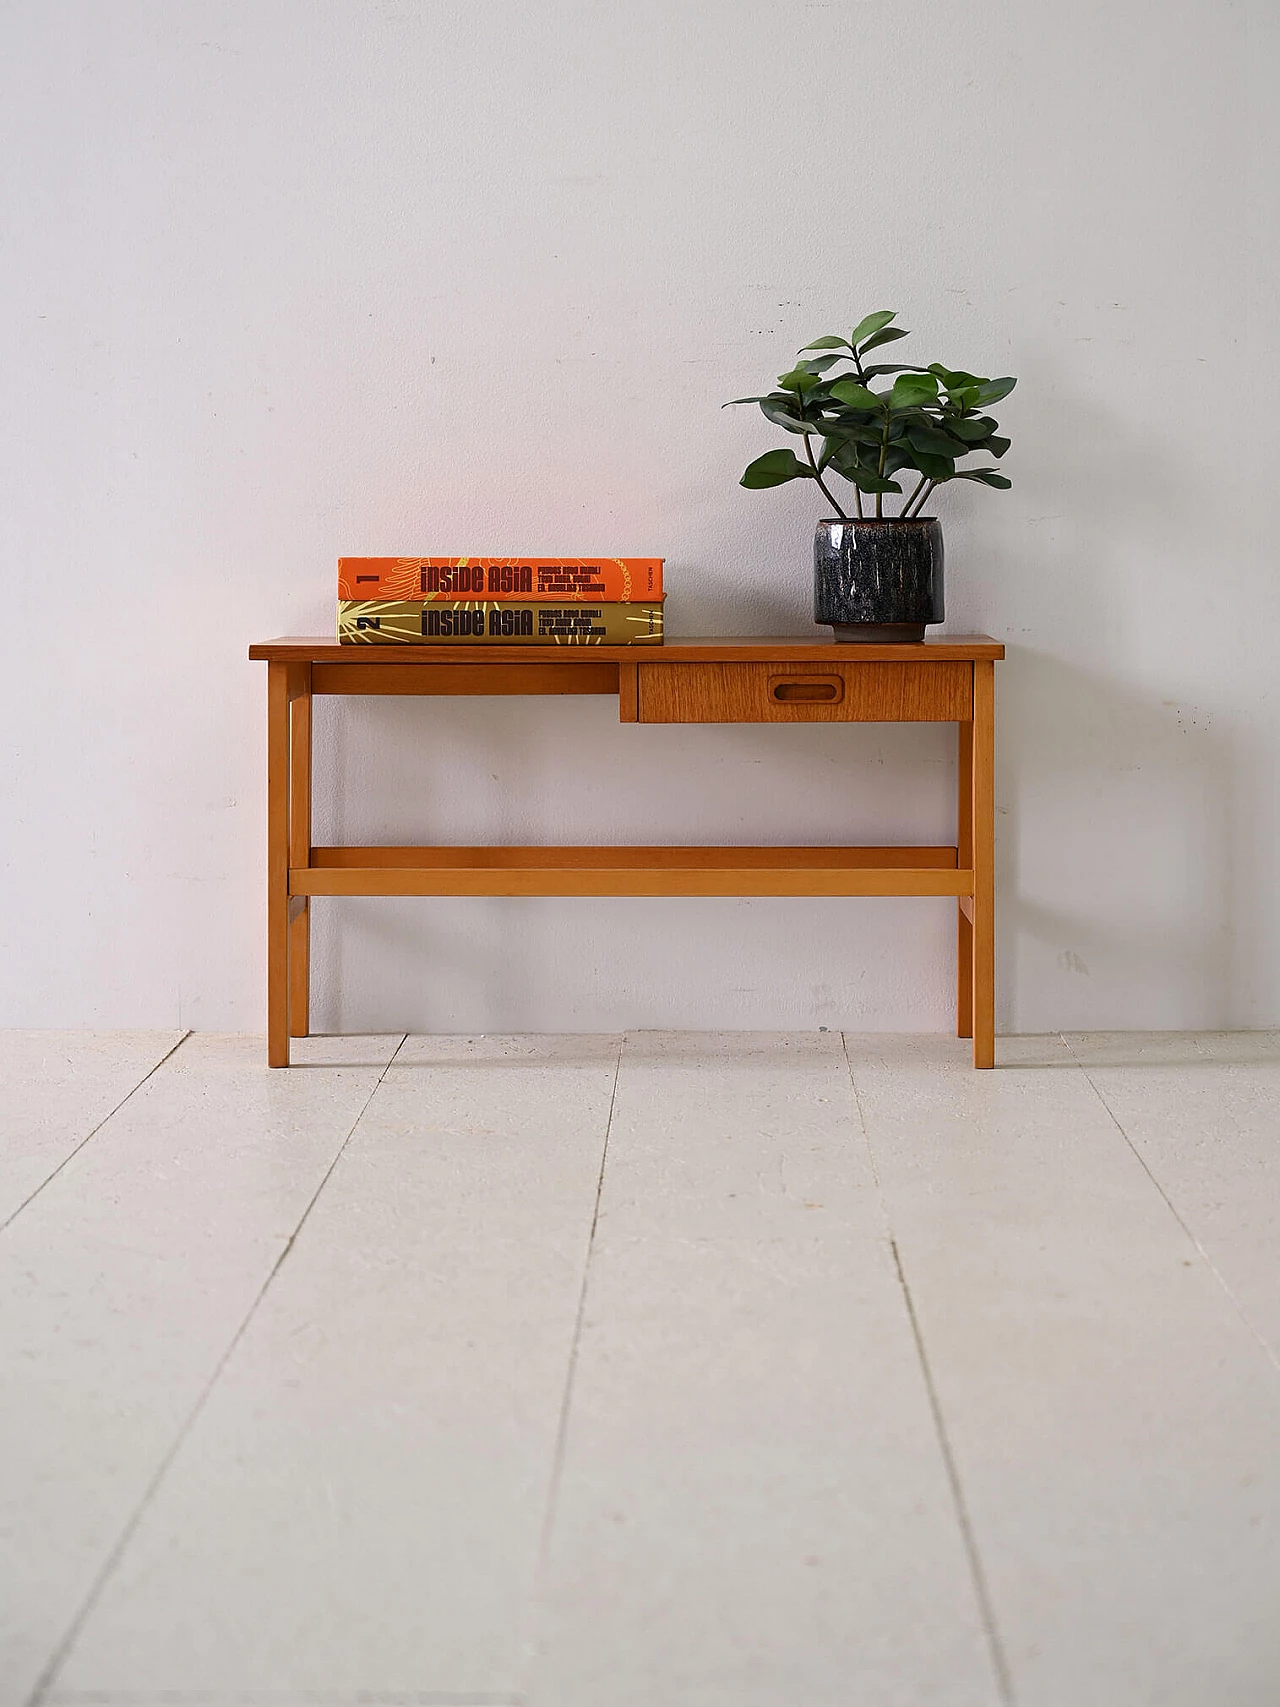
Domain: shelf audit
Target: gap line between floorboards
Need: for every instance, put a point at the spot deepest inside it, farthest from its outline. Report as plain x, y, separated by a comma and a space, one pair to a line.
111, 1113
44, 1682
1213, 1268
283, 1698
981, 1590
566, 1402
978, 1576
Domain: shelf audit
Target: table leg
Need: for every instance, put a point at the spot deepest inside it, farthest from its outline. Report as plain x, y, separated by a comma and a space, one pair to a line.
300, 849
277, 865
964, 858
983, 797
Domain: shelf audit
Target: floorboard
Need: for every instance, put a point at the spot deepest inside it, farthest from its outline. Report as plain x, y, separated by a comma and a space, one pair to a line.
360, 1504
1203, 1114
58, 1088
122, 1286
1114, 1423
874, 1379
754, 1509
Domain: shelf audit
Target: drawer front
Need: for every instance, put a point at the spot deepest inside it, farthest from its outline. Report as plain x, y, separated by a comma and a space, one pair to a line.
826, 693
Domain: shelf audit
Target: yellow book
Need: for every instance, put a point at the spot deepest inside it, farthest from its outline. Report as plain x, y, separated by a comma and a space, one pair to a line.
505, 622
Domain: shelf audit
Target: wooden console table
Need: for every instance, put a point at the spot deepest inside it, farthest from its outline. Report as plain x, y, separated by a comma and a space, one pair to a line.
949, 680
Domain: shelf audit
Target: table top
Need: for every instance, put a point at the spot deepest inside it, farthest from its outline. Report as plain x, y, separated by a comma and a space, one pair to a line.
321, 649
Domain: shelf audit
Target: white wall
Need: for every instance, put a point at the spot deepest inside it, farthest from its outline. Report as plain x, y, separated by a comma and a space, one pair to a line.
290, 278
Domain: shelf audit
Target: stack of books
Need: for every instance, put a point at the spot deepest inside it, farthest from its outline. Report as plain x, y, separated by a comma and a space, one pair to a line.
504, 601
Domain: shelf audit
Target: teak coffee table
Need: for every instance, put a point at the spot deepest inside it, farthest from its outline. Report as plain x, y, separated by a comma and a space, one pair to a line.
949, 680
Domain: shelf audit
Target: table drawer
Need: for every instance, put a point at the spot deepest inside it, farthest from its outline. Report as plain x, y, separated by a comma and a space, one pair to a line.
819, 693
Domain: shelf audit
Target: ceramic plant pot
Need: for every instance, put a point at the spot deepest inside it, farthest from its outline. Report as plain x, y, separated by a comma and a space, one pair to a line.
878, 580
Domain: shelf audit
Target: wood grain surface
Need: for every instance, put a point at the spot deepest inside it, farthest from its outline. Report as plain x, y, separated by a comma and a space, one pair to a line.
872, 692
324, 649
501, 676
702, 871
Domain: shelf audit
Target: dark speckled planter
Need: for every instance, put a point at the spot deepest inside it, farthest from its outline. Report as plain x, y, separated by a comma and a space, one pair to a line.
878, 580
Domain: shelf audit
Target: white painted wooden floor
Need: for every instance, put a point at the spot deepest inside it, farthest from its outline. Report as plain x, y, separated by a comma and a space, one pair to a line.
782, 1370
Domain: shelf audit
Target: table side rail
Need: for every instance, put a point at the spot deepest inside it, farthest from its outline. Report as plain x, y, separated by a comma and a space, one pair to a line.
465, 679
702, 871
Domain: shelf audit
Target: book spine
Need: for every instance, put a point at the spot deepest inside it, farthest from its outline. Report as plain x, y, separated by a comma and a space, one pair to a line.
492, 622
601, 580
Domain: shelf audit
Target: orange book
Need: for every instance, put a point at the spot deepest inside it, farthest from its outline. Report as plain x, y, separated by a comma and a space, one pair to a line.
609, 580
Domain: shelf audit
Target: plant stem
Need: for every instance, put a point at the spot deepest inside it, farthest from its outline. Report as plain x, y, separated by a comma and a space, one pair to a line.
906, 508
924, 498
808, 451
857, 494
884, 451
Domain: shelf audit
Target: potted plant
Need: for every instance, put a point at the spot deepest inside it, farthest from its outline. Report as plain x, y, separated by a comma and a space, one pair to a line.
878, 577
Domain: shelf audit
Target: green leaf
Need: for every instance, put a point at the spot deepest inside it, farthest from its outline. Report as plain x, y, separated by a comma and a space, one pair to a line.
872, 323
910, 390
848, 461
829, 343
885, 337
775, 468
820, 364
850, 434
839, 427
872, 483
807, 409
992, 390
844, 454
934, 442
986, 476
862, 434
855, 395
952, 378
971, 428
936, 467
893, 367
781, 416
798, 380
996, 446
787, 397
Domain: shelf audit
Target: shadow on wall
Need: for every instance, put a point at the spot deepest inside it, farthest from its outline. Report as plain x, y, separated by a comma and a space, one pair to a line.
1120, 787
1121, 881
1115, 855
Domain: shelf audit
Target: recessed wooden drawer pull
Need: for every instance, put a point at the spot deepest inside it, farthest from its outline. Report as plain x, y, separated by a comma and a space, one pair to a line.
788, 688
